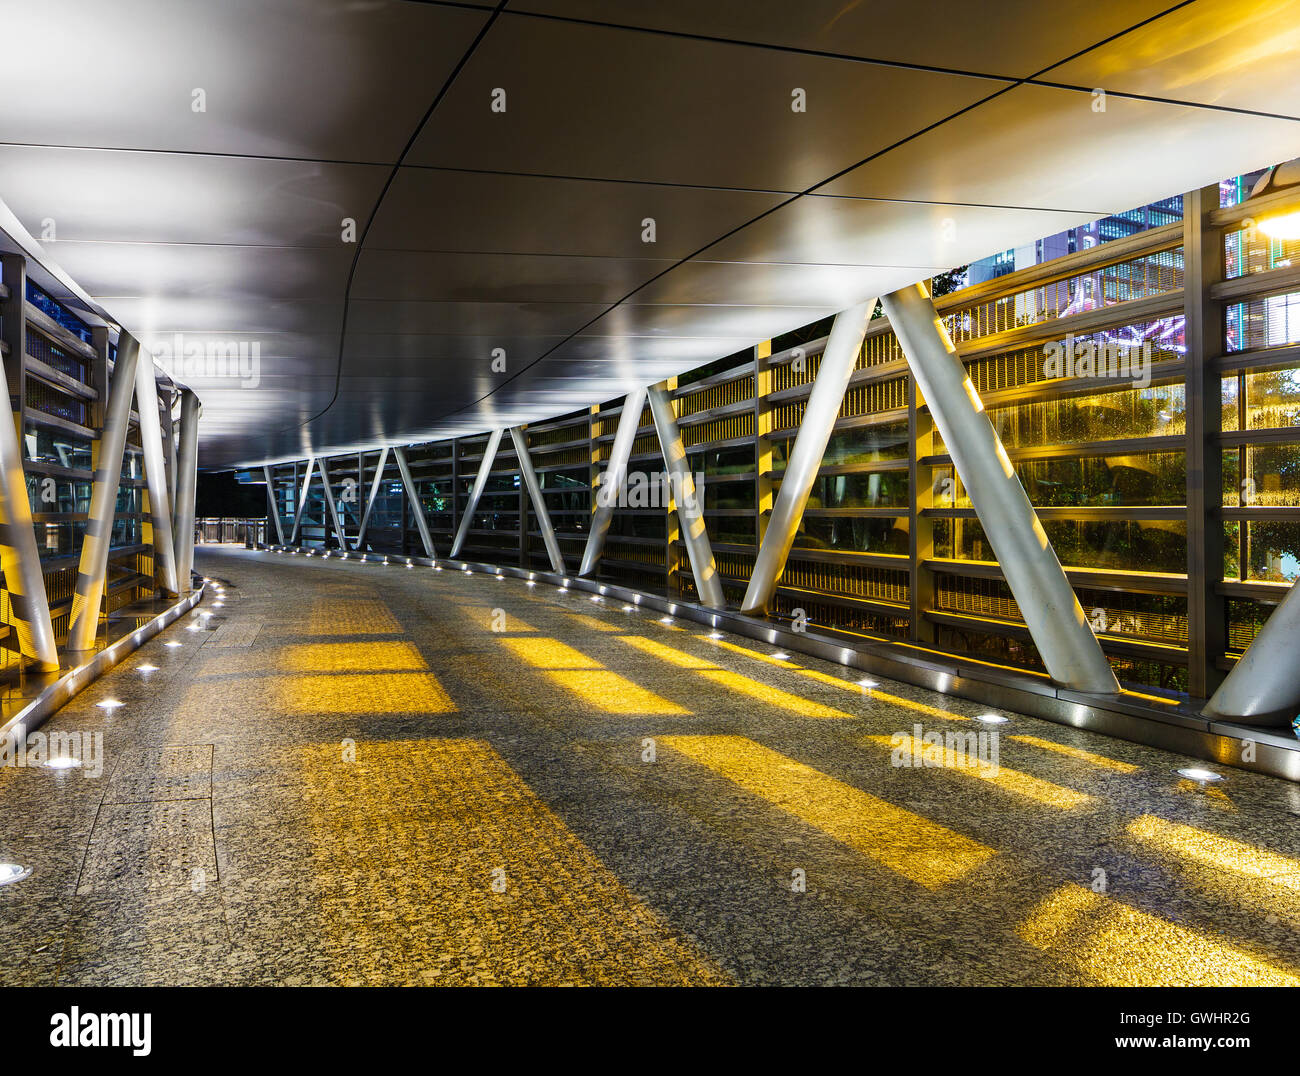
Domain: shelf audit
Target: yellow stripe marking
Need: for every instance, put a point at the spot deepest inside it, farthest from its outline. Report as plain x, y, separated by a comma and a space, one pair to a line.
920, 850
1021, 784
1079, 753
1121, 946
1213, 850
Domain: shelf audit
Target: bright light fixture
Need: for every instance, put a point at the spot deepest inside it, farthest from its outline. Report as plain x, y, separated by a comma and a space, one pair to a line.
147, 668
109, 704
12, 872
1202, 776
992, 719
868, 684
172, 644
63, 762
781, 655
628, 608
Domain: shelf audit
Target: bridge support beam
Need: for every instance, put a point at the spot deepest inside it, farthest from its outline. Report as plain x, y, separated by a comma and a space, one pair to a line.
187, 479
155, 473
837, 365
476, 491
1052, 613
413, 498
375, 483
613, 480
687, 500
534, 487
1263, 688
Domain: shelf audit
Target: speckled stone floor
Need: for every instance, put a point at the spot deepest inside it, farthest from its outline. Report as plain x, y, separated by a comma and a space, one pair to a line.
357, 774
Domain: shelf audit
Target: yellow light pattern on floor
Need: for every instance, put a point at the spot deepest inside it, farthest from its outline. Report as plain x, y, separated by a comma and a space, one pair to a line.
669, 654
483, 616
1215, 851
1120, 946
358, 693
350, 616
1079, 753
749, 653
549, 654
731, 681
914, 847
835, 681
386, 656
1021, 784
595, 623
782, 700
574, 671
423, 829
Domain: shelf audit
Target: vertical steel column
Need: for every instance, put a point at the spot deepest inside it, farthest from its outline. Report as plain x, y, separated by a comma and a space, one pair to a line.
413, 496
690, 510
375, 483
611, 485
20, 560
155, 473
334, 521
476, 491
764, 487
920, 536
302, 500
1263, 688
273, 505
1052, 612
838, 362
168, 400
187, 479
534, 488
1204, 336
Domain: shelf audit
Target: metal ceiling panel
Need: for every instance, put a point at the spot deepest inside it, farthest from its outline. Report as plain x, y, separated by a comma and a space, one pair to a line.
1014, 38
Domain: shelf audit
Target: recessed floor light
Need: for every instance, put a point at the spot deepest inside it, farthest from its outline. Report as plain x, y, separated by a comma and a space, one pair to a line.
715, 635
595, 597
172, 645
63, 763
781, 655
12, 872
532, 582
628, 608
109, 704
147, 668
1202, 776
992, 719
665, 620
868, 684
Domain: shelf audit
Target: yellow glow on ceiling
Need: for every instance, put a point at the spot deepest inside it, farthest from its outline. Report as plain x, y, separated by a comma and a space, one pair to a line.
1120, 946
1215, 851
1021, 784
916, 848
1077, 753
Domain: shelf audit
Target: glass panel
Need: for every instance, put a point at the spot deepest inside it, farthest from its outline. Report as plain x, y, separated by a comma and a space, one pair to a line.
1141, 480
1272, 399
1120, 545
888, 489
1231, 421
855, 535
1272, 476
1151, 412
1274, 548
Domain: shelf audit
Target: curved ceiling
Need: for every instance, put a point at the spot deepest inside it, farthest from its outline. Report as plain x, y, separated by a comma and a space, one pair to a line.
194, 166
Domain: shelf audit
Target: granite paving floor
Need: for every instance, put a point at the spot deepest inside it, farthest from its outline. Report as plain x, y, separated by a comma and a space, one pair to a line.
346, 773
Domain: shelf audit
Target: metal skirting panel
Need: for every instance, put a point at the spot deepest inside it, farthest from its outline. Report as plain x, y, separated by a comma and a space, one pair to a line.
1124, 717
